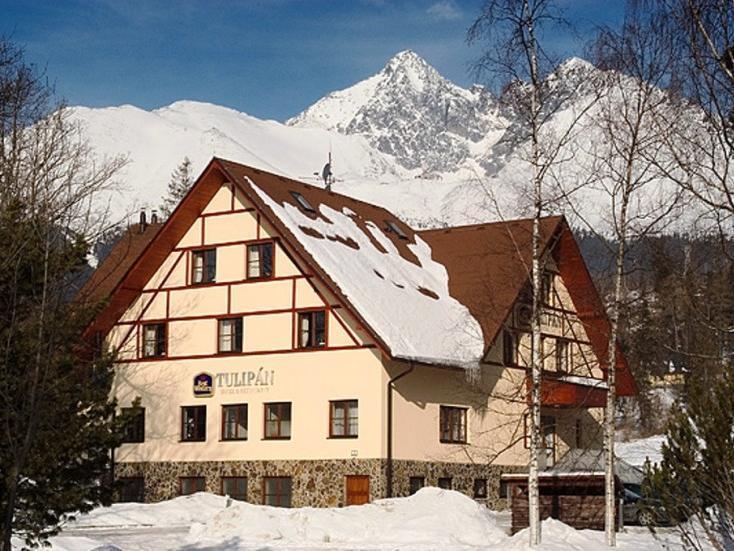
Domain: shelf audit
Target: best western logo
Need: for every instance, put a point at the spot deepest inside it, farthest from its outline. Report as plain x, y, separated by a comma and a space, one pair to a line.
203, 385
233, 382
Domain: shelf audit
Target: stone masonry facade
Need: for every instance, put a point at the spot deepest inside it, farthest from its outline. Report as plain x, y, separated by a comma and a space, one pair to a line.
315, 483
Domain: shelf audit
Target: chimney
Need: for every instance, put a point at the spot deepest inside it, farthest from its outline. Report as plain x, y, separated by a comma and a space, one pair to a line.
153, 217
143, 222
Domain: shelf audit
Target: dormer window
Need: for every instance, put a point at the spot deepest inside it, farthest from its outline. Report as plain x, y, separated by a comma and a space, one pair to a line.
260, 261
392, 227
302, 202
203, 266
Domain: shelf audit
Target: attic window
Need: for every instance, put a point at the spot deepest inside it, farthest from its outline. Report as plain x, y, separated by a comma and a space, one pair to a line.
394, 228
302, 202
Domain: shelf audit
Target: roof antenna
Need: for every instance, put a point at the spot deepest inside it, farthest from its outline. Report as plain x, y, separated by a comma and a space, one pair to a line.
327, 174
143, 222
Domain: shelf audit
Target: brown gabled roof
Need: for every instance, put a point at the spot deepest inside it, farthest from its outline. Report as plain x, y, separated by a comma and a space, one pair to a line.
487, 264
116, 264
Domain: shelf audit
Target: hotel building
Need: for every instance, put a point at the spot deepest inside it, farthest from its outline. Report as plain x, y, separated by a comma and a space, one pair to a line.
292, 346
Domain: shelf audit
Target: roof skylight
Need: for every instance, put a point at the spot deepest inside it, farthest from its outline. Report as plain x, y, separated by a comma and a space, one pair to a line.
302, 202
394, 228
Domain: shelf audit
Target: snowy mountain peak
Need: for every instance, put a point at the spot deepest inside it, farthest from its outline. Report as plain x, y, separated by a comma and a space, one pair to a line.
410, 112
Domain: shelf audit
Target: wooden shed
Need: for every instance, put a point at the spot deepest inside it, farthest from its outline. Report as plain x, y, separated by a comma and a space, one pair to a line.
575, 498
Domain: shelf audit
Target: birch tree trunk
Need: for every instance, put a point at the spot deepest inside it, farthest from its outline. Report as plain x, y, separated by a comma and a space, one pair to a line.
536, 363
610, 496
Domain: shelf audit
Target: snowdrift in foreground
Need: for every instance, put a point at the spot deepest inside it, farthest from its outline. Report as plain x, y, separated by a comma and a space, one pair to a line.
432, 519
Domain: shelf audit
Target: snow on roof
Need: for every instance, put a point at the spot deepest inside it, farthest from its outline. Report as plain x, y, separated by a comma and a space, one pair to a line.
584, 381
408, 304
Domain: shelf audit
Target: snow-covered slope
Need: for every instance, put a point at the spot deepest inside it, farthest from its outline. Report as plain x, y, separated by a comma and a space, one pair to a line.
405, 138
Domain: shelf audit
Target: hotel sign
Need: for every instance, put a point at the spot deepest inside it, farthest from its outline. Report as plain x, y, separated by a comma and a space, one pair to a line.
203, 385
233, 382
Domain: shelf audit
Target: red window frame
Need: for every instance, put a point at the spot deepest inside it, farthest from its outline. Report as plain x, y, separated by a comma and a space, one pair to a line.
238, 416
347, 406
199, 481
239, 496
282, 499
160, 343
198, 417
311, 343
238, 341
449, 417
207, 276
260, 245
280, 407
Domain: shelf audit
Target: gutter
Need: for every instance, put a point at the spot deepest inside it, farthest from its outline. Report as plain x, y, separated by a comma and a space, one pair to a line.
389, 466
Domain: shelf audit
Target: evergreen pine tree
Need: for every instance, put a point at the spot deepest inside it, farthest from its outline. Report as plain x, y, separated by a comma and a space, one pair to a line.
56, 413
694, 480
178, 186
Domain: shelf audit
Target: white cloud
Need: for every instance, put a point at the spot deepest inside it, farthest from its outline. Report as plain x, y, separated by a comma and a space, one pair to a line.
444, 10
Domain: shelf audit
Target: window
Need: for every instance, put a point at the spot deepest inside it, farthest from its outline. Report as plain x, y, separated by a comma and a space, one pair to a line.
191, 484
278, 420
193, 423
235, 487
548, 438
154, 340
277, 491
415, 483
480, 488
344, 419
392, 227
546, 288
134, 425
234, 422
230, 335
547, 430
132, 489
302, 202
509, 348
453, 425
260, 260
504, 489
562, 355
312, 329
444, 482
204, 266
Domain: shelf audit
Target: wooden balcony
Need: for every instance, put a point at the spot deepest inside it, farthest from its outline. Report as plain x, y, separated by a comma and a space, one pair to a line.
568, 391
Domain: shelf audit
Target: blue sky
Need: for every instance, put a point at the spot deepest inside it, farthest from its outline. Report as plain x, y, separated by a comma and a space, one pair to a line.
269, 58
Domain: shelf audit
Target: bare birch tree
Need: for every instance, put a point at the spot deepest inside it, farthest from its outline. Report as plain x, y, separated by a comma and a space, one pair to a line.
636, 59
510, 31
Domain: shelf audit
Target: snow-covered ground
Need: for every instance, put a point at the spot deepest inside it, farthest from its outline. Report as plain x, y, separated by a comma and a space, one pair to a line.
430, 519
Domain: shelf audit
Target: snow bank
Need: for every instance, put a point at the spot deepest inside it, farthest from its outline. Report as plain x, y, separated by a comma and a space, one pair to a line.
180, 511
430, 519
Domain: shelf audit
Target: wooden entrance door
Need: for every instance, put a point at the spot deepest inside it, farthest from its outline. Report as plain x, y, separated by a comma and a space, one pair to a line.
358, 489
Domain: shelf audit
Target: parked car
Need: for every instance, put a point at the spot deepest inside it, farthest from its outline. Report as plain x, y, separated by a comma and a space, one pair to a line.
645, 511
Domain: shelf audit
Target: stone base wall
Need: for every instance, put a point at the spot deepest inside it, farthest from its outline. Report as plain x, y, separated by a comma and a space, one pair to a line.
315, 483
